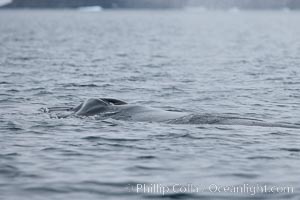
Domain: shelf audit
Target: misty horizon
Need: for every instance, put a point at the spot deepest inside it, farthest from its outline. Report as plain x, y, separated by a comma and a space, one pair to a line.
209, 4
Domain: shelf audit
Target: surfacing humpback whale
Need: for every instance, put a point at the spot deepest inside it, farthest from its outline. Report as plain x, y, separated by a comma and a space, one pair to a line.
120, 110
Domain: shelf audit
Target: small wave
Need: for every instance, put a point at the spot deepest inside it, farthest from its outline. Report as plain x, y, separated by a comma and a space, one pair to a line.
48, 189
140, 167
86, 186
244, 175
174, 196
13, 90
50, 149
189, 136
280, 133
146, 157
9, 171
121, 54
261, 158
43, 93
35, 89
13, 126
80, 85
97, 138
291, 149
123, 146
103, 183
9, 156
4, 83
24, 58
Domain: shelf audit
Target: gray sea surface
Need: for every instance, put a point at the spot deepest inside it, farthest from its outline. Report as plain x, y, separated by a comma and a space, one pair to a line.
245, 63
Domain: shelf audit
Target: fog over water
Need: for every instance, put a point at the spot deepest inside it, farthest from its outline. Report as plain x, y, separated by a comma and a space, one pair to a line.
157, 4
244, 63
246, 4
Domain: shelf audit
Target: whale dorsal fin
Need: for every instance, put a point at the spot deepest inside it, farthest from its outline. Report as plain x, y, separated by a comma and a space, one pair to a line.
113, 101
91, 106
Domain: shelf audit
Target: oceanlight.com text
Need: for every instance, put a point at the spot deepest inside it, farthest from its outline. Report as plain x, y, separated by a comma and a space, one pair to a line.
247, 189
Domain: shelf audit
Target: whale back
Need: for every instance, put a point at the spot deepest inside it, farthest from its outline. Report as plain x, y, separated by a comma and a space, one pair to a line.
91, 107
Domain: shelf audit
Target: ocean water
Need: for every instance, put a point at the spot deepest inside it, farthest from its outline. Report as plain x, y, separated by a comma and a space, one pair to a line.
244, 63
